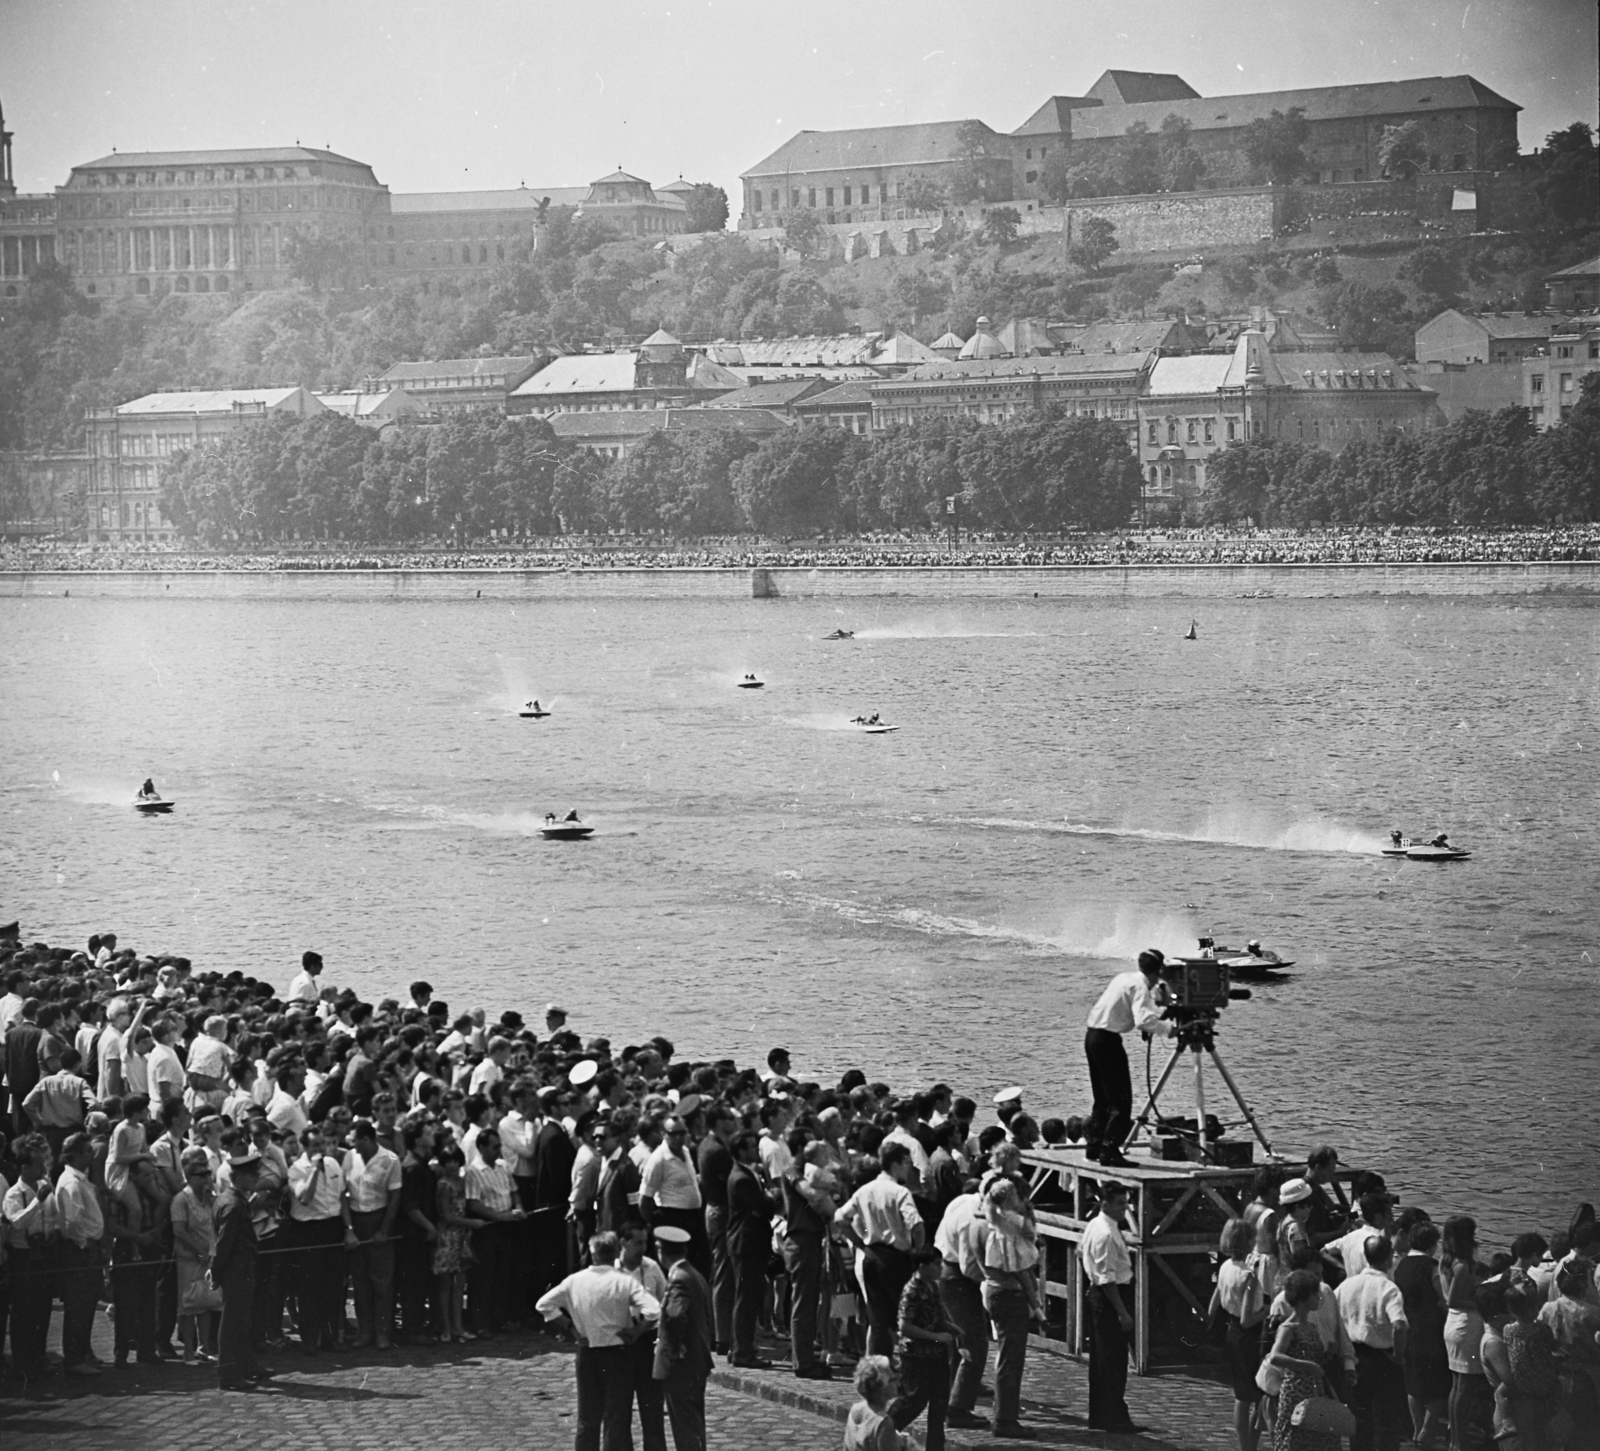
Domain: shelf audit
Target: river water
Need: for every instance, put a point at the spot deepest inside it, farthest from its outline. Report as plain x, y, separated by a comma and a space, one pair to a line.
1073, 781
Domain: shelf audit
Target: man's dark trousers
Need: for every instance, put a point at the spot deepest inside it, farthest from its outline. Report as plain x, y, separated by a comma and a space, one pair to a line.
802, 1256
686, 1407
605, 1396
1108, 1362
1112, 1087
80, 1283
1378, 1399
963, 1303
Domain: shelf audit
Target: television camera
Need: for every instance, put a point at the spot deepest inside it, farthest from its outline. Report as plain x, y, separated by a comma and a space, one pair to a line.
1192, 993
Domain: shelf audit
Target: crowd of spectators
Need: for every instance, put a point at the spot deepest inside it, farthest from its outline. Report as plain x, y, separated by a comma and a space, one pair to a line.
415, 1174
1561, 544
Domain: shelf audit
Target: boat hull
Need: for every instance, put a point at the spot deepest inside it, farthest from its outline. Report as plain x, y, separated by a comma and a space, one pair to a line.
566, 832
153, 808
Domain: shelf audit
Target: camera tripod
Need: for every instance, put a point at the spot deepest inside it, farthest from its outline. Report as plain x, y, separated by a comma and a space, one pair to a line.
1197, 1036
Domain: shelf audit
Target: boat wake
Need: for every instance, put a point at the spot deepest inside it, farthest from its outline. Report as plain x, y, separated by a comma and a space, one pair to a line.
1220, 828
916, 631
1100, 934
98, 792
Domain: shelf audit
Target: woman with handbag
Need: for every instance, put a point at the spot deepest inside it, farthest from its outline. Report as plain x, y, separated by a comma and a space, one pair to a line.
1305, 1410
1240, 1302
193, 1238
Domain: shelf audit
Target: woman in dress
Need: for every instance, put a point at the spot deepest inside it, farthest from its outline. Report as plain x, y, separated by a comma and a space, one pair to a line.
1299, 1355
1240, 1296
193, 1238
1471, 1404
1427, 1370
452, 1249
1519, 1361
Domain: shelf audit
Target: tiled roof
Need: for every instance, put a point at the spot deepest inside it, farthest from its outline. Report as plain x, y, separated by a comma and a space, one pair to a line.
844, 395
581, 373
1320, 371
782, 394
1505, 324
465, 369
1132, 88
836, 350
1055, 116
521, 198
355, 404
1073, 365
214, 400
620, 176
1320, 103
1591, 268
1172, 377
246, 156
1129, 337
872, 146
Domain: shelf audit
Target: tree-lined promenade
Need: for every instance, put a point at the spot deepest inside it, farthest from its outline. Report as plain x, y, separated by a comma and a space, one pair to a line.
476, 479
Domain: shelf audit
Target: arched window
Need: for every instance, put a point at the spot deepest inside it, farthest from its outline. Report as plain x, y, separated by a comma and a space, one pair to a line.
483, 252
1155, 475
466, 254
182, 284
142, 286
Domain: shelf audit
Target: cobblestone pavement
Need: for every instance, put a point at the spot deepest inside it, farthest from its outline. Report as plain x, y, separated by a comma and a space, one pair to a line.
516, 1391
1181, 1412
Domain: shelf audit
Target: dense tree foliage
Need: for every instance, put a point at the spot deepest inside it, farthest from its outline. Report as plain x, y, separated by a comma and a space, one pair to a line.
1485, 469
1275, 146
477, 477
707, 207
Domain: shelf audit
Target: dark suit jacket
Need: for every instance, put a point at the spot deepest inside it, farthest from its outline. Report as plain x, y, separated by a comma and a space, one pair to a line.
22, 1058
617, 1182
552, 1159
233, 1261
684, 1339
749, 1213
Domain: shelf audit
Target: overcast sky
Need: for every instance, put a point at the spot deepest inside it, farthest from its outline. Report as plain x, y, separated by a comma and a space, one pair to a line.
442, 95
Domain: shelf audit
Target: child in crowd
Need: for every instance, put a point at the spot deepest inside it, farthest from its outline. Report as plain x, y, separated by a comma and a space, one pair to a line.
130, 1152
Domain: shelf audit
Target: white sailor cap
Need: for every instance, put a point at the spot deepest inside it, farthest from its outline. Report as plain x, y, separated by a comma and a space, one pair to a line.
672, 1234
582, 1072
1008, 1095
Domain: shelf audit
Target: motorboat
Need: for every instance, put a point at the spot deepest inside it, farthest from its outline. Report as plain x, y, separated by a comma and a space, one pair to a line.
153, 805
872, 726
567, 828
841, 635
1435, 849
751, 683
533, 711
1250, 961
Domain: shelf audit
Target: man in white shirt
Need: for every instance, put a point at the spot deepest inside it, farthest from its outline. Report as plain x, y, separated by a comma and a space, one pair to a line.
372, 1197
1350, 1250
26, 1219
304, 988
112, 1082
284, 1109
961, 1238
1374, 1316
491, 1069
316, 1213
669, 1191
78, 1262
609, 1310
882, 1221
1128, 1002
1108, 1267
775, 1156
167, 1078
492, 1291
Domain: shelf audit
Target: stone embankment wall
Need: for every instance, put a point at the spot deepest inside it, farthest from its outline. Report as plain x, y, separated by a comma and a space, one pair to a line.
1199, 581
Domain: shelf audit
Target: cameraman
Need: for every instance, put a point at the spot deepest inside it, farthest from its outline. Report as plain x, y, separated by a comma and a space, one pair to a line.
1131, 1000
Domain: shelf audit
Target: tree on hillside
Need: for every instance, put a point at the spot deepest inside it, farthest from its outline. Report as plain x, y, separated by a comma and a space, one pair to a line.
1138, 287
1569, 180
1094, 244
320, 261
924, 195
1138, 163
1403, 150
969, 178
1000, 226
708, 209
803, 306
1435, 271
803, 230
919, 291
1275, 145
1181, 165
1364, 316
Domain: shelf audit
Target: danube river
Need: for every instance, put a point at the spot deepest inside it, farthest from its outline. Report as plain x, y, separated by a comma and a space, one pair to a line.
1072, 781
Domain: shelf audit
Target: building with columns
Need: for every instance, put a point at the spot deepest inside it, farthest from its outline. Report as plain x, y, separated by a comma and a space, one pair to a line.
143, 222
27, 225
